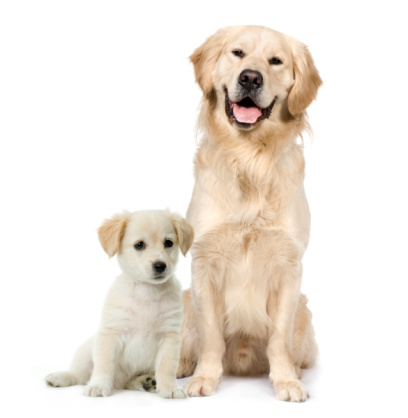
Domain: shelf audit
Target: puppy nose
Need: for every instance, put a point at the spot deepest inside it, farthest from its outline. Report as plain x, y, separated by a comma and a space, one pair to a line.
159, 266
250, 79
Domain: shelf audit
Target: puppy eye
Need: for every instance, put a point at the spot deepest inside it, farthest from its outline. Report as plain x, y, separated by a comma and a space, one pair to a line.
275, 61
140, 246
168, 243
238, 53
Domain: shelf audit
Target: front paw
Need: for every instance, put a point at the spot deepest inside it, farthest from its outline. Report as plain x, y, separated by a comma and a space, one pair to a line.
97, 390
294, 391
172, 393
201, 386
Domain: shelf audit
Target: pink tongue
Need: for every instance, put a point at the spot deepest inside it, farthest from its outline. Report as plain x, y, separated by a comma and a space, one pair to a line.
246, 114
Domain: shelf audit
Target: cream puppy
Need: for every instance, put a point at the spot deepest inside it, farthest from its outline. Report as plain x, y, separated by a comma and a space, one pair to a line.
138, 341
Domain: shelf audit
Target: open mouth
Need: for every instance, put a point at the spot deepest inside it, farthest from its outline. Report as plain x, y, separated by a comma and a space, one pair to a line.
246, 111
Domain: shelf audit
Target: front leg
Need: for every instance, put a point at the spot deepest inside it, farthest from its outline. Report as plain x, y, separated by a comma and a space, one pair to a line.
104, 352
282, 309
166, 367
211, 346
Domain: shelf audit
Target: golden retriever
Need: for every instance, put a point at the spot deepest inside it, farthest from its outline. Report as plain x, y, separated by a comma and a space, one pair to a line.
245, 313
138, 339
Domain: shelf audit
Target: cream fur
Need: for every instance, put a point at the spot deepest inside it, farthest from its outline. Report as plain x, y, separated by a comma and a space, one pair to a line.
138, 339
245, 313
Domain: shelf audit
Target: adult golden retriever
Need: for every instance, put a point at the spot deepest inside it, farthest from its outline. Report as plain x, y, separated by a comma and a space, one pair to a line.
245, 313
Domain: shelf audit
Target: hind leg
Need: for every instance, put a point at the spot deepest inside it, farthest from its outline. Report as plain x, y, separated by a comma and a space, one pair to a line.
79, 371
145, 382
61, 379
189, 338
304, 344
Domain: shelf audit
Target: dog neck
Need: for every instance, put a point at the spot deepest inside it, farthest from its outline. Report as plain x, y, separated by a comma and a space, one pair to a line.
264, 166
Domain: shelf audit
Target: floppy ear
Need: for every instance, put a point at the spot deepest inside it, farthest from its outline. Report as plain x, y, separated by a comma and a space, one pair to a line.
205, 57
184, 231
307, 80
111, 233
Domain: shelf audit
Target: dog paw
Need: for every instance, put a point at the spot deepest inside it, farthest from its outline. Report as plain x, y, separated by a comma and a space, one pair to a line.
201, 386
95, 391
173, 393
294, 391
60, 379
145, 382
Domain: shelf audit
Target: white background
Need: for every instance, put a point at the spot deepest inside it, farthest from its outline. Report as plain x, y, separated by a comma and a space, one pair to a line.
97, 114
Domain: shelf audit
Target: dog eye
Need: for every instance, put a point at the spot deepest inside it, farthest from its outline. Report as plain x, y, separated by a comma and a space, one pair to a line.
275, 61
140, 246
168, 243
238, 53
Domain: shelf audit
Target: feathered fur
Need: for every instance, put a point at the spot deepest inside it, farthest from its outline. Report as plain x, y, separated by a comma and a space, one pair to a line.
245, 314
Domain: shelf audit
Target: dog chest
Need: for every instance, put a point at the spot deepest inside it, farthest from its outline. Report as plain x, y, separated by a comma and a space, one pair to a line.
135, 315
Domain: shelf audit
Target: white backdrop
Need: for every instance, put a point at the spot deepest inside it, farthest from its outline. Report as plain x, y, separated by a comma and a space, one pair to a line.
97, 114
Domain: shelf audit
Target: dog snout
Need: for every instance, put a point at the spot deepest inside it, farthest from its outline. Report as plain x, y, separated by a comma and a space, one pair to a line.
250, 79
159, 267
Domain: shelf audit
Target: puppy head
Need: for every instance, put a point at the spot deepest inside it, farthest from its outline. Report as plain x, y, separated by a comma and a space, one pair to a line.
146, 243
253, 74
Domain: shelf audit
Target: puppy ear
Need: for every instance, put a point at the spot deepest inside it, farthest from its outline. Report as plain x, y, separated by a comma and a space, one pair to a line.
184, 231
111, 233
307, 80
205, 57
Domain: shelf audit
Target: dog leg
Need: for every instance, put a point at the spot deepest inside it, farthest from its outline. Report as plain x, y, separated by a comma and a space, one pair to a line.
166, 367
79, 371
211, 340
279, 351
61, 379
145, 382
304, 350
101, 382
189, 337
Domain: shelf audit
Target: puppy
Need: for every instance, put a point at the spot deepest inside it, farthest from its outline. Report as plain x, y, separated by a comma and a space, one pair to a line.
138, 341
245, 313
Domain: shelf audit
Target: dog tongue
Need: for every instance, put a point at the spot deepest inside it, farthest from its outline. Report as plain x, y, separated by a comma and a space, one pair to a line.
246, 114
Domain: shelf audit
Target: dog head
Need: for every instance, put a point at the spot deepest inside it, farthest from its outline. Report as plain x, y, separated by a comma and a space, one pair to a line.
146, 243
254, 74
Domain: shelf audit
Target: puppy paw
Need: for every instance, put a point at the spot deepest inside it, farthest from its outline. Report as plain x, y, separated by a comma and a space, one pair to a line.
60, 379
201, 386
145, 382
95, 391
294, 391
172, 393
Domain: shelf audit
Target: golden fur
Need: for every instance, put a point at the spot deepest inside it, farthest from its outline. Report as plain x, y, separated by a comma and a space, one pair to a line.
245, 314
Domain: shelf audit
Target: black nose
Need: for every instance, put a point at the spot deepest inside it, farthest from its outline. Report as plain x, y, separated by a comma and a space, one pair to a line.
250, 79
159, 267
